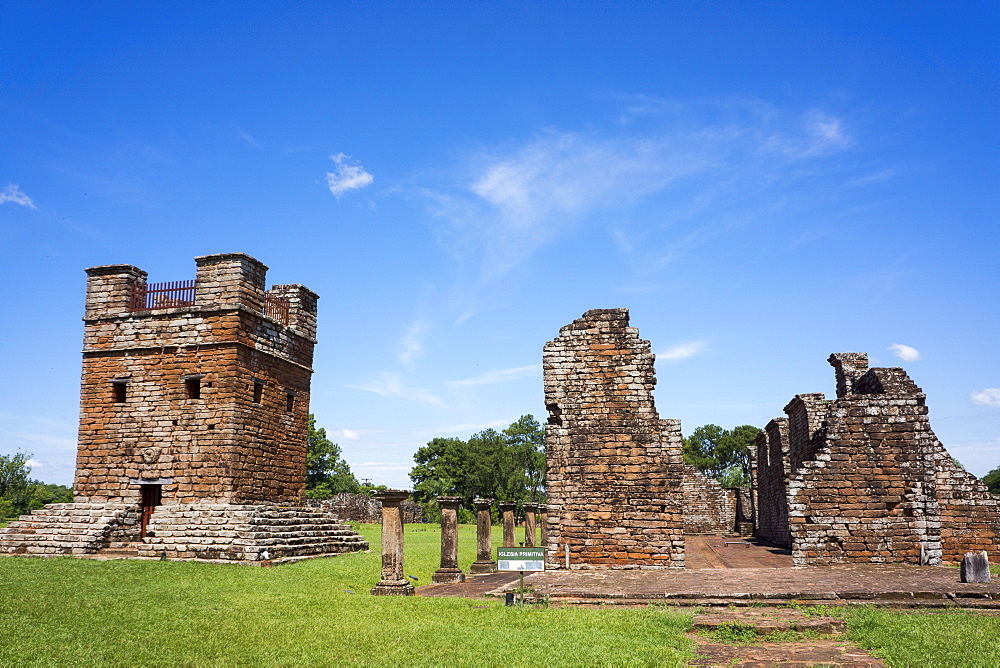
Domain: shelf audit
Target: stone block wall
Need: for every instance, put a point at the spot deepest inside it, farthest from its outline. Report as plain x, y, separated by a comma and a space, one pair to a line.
708, 507
771, 471
868, 481
208, 399
365, 509
615, 469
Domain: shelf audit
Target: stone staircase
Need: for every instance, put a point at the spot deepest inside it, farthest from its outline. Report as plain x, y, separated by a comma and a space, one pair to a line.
69, 528
242, 533
120, 549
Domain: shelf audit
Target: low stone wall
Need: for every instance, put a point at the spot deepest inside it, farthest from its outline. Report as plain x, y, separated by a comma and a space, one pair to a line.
708, 508
364, 509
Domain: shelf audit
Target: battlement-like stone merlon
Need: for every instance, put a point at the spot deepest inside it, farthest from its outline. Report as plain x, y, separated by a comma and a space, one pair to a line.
222, 281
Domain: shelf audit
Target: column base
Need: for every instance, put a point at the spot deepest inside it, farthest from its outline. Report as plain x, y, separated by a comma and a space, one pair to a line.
448, 576
393, 588
481, 567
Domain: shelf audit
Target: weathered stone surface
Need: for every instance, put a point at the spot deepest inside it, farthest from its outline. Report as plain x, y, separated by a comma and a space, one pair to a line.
484, 563
863, 478
614, 467
199, 399
975, 567
393, 582
449, 573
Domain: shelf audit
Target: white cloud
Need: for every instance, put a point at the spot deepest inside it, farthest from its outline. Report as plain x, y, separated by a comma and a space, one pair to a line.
349, 434
390, 385
346, 176
904, 352
13, 194
988, 396
498, 376
683, 351
411, 345
705, 155
34, 463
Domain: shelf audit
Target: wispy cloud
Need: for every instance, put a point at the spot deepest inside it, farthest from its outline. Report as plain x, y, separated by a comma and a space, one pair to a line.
683, 351
412, 343
391, 385
13, 194
34, 463
707, 155
498, 376
988, 396
346, 175
471, 427
349, 434
904, 352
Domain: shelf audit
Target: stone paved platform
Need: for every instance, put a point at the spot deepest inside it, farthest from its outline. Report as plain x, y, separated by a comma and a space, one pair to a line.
854, 583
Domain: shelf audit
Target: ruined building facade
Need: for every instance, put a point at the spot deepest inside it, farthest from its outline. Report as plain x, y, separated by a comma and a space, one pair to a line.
619, 493
193, 417
863, 478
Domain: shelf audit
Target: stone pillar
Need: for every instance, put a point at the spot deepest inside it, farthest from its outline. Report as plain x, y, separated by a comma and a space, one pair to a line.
484, 562
529, 524
544, 519
507, 510
393, 582
449, 571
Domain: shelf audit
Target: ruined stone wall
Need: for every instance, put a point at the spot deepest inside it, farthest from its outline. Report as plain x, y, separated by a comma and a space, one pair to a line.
970, 514
614, 467
708, 507
209, 398
365, 509
771, 462
874, 483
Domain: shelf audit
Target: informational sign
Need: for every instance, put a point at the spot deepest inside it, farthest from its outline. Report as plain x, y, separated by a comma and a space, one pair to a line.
521, 559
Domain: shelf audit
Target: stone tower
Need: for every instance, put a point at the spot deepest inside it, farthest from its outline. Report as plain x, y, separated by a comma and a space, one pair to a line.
200, 391
193, 422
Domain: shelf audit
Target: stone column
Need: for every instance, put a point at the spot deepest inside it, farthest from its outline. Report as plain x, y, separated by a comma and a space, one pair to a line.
449, 571
529, 524
545, 523
393, 582
484, 562
507, 510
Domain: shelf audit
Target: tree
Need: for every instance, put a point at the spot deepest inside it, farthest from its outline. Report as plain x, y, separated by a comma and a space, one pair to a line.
722, 453
327, 474
508, 464
14, 483
992, 480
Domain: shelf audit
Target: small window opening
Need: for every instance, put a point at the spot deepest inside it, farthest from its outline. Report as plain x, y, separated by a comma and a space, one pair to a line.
289, 402
192, 386
119, 390
258, 391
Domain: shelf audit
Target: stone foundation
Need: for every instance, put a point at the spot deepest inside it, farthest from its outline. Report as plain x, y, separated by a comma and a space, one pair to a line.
201, 531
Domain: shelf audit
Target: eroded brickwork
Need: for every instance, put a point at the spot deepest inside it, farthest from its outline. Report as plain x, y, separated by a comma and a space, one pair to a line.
209, 397
771, 489
708, 507
615, 469
869, 481
193, 417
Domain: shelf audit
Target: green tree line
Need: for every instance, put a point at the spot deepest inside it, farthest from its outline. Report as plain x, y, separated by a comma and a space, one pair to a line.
508, 465
20, 494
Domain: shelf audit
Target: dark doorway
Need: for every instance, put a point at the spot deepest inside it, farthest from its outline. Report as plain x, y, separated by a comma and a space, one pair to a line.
152, 496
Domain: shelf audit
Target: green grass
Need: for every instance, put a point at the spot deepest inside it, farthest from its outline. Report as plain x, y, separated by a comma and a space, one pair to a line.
64, 611
904, 638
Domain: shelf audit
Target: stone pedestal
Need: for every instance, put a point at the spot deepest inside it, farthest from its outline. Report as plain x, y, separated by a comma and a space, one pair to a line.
484, 562
393, 582
975, 567
507, 511
449, 572
544, 520
529, 524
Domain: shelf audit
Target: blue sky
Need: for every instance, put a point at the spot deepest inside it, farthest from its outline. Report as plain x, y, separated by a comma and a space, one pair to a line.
762, 184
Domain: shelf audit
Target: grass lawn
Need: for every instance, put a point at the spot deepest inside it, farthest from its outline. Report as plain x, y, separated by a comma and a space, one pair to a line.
64, 611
